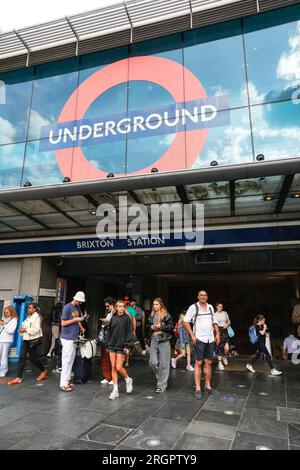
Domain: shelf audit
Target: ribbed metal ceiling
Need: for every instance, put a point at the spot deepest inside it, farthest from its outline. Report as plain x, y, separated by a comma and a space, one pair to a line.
117, 25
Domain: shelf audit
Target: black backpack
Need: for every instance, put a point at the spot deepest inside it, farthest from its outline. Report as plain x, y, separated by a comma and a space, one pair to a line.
197, 313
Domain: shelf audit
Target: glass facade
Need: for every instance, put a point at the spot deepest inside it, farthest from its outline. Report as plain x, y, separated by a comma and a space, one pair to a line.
224, 93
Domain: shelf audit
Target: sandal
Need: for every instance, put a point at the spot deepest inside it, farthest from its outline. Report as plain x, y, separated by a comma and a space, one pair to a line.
43, 376
15, 381
66, 388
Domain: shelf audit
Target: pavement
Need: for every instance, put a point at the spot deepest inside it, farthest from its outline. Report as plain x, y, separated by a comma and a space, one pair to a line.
248, 412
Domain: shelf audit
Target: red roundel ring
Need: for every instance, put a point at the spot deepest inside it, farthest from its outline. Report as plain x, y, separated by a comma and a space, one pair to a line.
175, 78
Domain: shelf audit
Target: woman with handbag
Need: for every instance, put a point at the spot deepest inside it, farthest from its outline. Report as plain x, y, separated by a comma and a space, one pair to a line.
224, 323
160, 349
32, 333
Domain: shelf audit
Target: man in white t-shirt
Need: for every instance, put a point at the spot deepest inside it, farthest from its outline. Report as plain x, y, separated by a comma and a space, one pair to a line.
204, 335
291, 346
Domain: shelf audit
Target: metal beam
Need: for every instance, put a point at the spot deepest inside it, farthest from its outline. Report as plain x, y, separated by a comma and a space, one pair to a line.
182, 194
24, 214
57, 209
232, 198
91, 200
286, 187
9, 226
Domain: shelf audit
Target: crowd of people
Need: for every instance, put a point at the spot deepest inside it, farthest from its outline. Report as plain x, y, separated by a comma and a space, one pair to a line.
202, 332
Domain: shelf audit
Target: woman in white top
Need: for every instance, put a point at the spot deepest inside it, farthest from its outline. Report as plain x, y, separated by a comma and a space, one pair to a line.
31, 332
8, 326
223, 348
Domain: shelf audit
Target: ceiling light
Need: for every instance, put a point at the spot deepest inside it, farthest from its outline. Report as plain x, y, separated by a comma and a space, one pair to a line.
268, 198
296, 196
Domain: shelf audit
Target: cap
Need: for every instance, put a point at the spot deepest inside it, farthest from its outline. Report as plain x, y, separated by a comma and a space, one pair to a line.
80, 297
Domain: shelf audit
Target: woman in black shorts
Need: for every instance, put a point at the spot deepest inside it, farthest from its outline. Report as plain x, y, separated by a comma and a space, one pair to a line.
120, 339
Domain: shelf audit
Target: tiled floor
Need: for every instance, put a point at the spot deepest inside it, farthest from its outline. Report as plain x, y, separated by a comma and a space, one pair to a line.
250, 411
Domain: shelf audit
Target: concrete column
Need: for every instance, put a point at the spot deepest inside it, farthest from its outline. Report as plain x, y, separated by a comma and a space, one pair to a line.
30, 277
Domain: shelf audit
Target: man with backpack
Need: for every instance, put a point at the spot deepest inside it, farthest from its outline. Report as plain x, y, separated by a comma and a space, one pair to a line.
204, 335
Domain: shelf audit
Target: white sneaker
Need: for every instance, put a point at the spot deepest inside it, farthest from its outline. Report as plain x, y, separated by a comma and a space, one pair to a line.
250, 367
114, 394
191, 368
220, 366
144, 352
111, 382
49, 355
129, 386
225, 361
276, 372
173, 362
104, 382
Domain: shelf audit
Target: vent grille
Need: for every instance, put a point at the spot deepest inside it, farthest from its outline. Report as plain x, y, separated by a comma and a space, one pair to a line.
204, 17
266, 5
104, 42
117, 25
162, 28
55, 53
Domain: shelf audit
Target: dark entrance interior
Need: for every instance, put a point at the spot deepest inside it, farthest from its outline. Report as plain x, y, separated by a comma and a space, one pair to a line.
247, 282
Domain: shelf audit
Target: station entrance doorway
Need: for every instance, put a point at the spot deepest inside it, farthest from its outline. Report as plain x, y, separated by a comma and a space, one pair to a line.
247, 283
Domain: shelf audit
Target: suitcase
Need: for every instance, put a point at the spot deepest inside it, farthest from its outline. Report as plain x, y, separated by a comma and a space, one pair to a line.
82, 370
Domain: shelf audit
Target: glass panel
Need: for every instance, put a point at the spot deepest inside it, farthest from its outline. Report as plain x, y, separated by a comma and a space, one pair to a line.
158, 195
11, 165
215, 207
15, 95
254, 205
215, 56
34, 207
156, 75
54, 83
228, 144
22, 223
260, 186
41, 166
162, 148
56, 221
272, 50
110, 98
201, 192
276, 132
296, 184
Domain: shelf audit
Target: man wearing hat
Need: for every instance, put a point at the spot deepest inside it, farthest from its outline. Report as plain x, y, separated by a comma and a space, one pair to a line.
71, 319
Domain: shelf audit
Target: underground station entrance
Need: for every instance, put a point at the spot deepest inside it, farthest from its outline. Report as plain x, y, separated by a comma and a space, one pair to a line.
247, 282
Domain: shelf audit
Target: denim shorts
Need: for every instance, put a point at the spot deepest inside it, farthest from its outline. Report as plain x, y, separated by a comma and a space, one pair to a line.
117, 351
204, 350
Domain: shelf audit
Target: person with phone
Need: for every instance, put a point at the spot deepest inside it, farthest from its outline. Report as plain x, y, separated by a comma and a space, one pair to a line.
120, 340
71, 319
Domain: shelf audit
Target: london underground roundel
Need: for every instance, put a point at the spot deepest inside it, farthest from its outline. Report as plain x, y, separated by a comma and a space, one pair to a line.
163, 72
